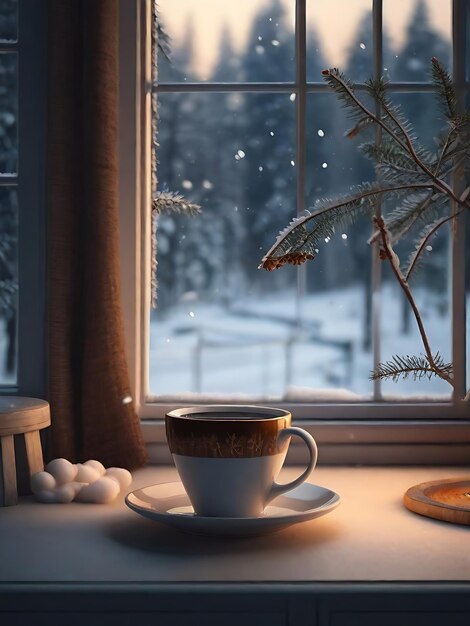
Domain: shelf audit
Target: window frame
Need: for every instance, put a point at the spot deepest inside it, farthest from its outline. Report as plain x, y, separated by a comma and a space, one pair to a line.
30, 181
349, 432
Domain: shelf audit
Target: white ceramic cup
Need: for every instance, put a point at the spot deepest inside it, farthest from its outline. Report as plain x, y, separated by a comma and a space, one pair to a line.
228, 457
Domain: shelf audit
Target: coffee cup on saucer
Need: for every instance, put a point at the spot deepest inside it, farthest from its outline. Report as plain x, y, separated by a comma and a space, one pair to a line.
228, 457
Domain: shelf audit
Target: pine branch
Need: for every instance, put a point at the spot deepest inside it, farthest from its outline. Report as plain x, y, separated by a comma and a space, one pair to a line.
422, 243
296, 244
387, 252
389, 153
417, 367
445, 89
414, 209
346, 93
170, 202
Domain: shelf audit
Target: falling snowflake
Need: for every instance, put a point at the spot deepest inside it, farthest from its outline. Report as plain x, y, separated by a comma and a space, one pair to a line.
362, 46
127, 399
237, 158
292, 97
344, 236
271, 133
275, 43
260, 168
429, 248
168, 340
207, 184
187, 184
259, 49
191, 313
241, 154
320, 132
292, 163
270, 19
327, 239
260, 38
324, 165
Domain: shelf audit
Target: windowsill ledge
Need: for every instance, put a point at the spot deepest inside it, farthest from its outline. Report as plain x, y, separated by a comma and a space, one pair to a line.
370, 538
359, 442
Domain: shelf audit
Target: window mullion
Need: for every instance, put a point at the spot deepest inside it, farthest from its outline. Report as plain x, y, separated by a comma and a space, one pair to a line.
376, 265
301, 80
458, 234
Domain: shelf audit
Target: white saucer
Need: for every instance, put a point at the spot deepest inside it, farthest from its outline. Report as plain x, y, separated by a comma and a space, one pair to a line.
169, 504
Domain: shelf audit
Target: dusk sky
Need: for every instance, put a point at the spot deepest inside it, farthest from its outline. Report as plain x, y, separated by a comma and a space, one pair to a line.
210, 16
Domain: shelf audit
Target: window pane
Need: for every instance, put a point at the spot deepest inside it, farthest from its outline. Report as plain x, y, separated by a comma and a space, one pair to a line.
214, 40
431, 281
339, 34
8, 112
222, 325
418, 30
8, 283
337, 304
8, 20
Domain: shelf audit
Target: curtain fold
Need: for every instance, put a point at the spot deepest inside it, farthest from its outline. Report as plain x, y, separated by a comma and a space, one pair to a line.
92, 412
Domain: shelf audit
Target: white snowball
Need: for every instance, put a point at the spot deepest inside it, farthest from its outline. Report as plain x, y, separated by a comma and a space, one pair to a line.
62, 470
65, 493
123, 477
42, 481
96, 465
102, 491
86, 474
46, 496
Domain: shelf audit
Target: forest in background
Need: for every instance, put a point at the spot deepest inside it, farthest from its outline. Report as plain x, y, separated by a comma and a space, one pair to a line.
234, 154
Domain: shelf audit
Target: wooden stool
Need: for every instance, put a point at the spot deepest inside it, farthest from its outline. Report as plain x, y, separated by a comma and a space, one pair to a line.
20, 416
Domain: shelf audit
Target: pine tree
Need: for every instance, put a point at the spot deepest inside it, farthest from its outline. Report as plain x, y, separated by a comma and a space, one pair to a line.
269, 132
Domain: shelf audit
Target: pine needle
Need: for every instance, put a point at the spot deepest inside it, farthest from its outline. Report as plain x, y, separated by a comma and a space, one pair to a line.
170, 202
415, 367
445, 90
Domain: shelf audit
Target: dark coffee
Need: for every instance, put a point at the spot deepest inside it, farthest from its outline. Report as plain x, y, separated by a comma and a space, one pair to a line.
228, 415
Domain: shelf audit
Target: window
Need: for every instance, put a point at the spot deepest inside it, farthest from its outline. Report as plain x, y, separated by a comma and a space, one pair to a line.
248, 130
22, 162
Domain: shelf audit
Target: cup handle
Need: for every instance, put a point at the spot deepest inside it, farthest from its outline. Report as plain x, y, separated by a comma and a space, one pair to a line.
277, 489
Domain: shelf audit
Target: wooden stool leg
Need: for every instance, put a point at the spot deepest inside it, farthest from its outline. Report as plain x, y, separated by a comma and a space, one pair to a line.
8, 492
34, 452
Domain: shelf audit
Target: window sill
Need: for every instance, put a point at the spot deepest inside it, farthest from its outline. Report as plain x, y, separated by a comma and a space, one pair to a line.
369, 561
369, 537
360, 442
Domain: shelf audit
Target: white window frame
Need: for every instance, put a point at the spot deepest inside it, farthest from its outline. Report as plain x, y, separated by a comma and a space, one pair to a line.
30, 181
372, 432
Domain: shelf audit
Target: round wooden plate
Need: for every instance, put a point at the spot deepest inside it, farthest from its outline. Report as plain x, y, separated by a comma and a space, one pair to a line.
447, 500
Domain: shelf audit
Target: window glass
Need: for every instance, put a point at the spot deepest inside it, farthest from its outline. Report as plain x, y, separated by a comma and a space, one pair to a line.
418, 30
337, 302
8, 283
222, 325
339, 34
8, 112
214, 40
8, 20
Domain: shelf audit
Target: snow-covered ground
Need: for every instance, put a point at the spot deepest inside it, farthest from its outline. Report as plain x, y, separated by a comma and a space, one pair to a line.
253, 350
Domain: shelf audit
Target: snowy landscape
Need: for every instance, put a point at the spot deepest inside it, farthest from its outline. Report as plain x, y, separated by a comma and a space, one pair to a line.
243, 352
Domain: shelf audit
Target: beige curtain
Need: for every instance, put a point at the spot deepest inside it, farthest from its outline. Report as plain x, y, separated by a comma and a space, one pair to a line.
88, 377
